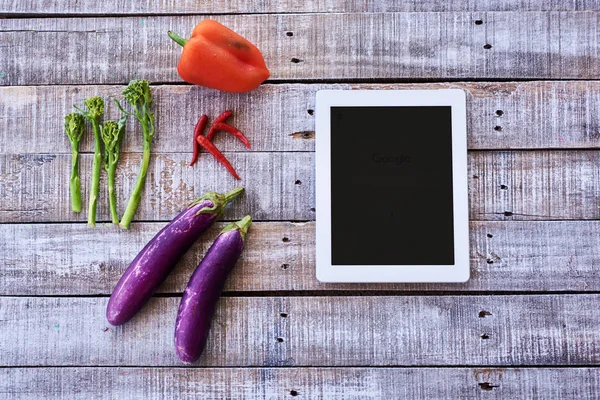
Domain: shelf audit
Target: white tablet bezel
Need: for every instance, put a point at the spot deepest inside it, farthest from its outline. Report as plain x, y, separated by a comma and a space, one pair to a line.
326, 272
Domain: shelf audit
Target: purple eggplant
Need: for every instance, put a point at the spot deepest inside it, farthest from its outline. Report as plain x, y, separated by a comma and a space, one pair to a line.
204, 289
158, 258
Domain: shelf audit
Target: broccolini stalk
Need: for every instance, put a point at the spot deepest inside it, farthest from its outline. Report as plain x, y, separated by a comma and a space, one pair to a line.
74, 127
112, 135
95, 105
139, 96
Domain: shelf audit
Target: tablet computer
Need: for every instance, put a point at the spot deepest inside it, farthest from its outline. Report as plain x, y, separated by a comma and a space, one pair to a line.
391, 186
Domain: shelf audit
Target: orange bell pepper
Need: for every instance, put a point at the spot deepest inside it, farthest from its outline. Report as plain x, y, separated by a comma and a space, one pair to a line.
217, 57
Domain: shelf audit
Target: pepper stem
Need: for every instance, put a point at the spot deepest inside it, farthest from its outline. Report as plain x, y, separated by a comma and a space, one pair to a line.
176, 38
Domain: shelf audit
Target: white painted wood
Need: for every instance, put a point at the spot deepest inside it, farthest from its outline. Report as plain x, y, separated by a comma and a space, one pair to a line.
557, 330
531, 185
36, 187
506, 186
149, 7
535, 45
312, 383
533, 115
71, 259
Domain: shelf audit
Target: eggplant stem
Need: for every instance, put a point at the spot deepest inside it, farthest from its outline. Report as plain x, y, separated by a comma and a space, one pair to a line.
242, 226
232, 194
219, 201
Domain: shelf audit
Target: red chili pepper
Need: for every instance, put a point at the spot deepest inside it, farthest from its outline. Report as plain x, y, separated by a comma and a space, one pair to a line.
204, 142
200, 125
222, 126
221, 118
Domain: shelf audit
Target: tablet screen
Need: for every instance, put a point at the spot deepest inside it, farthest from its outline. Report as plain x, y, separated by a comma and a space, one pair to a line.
391, 186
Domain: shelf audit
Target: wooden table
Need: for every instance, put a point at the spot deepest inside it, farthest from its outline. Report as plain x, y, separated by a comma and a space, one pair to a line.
527, 324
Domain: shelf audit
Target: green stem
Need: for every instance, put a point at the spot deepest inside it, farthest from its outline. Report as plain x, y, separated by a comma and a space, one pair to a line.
112, 194
232, 194
136, 195
219, 201
243, 225
96, 166
178, 39
75, 183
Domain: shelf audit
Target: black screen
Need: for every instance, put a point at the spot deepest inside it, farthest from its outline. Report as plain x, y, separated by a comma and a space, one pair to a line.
391, 186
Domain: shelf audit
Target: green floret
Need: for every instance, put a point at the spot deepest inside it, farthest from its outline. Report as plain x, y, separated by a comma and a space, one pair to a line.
95, 105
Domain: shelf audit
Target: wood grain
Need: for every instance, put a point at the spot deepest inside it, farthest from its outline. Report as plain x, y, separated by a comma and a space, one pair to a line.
35, 187
532, 45
551, 330
503, 185
526, 185
530, 115
150, 7
313, 383
71, 259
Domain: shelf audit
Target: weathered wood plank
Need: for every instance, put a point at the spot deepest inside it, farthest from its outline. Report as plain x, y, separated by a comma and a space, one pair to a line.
313, 383
150, 7
556, 330
531, 115
534, 185
71, 259
323, 46
516, 185
36, 187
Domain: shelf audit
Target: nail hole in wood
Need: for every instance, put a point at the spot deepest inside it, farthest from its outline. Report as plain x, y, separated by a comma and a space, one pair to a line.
310, 111
313, 209
508, 213
298, 182
293, 393
283, 315
487, 386
490, 261
289, 33
295, 60
285, 239
475, 176
285, 266
279, 339
485, 336
478, 22
503, 187
498, 128
483, 314
490, 235
487, 46
499, 113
